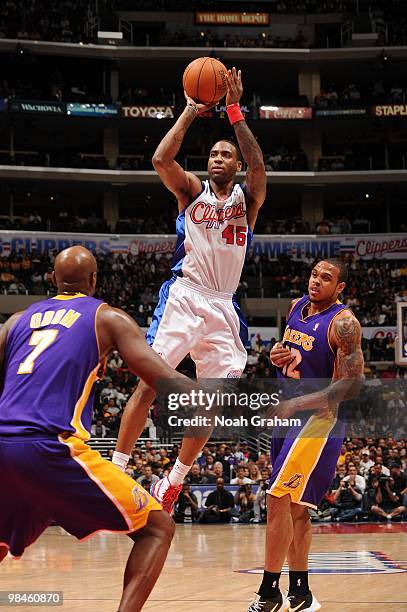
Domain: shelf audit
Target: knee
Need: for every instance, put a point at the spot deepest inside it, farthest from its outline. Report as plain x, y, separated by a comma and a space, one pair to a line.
276, 506
300, 513
161, 525
144, 392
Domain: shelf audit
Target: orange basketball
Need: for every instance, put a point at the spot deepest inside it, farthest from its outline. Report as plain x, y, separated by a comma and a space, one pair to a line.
204, 80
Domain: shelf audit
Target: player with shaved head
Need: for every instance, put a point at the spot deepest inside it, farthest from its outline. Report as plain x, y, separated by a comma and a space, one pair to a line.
197, 312
50, 357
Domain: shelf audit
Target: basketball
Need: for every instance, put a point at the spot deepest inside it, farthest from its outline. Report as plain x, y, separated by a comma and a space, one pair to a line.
204, 80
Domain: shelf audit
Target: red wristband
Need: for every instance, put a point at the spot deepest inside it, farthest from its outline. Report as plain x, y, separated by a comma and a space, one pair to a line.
234, 113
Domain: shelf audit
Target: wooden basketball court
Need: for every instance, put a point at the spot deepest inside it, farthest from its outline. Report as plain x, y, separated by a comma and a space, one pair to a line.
213, 568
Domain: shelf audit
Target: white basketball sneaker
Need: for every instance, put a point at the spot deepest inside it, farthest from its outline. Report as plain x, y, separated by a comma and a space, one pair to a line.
165, 493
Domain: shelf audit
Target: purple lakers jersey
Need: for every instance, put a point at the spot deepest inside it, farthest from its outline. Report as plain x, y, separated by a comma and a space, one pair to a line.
51, 364
307, 337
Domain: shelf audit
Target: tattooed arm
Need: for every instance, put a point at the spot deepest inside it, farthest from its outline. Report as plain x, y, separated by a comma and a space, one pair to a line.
184, 185
346, 337
256, 175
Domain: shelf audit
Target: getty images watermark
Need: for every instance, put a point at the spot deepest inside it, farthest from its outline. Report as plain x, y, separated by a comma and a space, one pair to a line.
200, 402
310, 407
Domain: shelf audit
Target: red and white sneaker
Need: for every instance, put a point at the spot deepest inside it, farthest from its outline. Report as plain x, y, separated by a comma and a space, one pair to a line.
165, 493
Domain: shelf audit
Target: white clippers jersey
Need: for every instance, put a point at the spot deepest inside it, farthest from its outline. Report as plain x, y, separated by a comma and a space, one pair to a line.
212, 239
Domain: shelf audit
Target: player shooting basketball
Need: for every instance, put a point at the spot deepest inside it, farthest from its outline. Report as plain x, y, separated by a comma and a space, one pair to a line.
196, 312
322, 340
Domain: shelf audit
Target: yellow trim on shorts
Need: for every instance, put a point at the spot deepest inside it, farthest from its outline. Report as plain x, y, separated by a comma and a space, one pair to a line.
131, 499
302, 459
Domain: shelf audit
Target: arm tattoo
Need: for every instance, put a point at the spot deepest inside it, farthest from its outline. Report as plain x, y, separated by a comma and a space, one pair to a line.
256, 175
348, 375
171, 143
249, 146
179, 134
349, 356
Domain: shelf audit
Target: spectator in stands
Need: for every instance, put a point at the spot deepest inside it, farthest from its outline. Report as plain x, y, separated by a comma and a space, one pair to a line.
379, 461
216, 474
16, 287
252, 357
203, 457
249, 455
219, 505
148, 478
360, 224
323, 228
109, 392
98, 429
222, 457
115, 361
240, 478
260, 502
375, 473
263, 462
244, 498
112, 408
354, 477
365, 464
378, 91
348, 501
186, 509
112, 424
194, 477
237, 453
388, 502
209, 468
138, 469
339, 476
36, 277
396, 94
254, 472
400, 482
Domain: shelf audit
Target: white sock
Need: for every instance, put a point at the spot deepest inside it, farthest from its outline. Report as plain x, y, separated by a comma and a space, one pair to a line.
178, 473
120, 459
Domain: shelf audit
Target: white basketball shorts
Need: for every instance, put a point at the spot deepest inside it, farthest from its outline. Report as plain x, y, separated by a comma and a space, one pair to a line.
205, 323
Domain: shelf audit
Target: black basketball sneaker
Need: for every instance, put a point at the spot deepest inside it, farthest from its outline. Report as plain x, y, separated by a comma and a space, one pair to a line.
276, 604
307, 603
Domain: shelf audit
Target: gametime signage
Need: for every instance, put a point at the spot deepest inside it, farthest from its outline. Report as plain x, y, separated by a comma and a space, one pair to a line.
148, 112
390, 110
322, 113
232, 19
285, 112
92, 110
379, 246
26, 106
